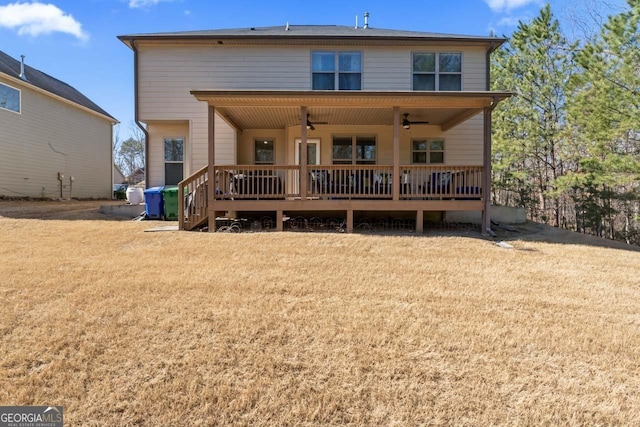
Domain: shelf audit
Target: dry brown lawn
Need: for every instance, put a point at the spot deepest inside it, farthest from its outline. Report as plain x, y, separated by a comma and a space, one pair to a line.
123, 327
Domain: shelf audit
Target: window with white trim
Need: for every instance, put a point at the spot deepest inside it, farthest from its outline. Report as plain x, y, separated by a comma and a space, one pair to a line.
331, 70
263, 151
9, 98
362, 148
427, 151
437, 71
173, 160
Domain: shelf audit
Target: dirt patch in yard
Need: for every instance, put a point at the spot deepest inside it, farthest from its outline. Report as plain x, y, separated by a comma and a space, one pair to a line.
55, 209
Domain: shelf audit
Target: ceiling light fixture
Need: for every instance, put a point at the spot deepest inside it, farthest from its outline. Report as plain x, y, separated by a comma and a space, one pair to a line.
406, 123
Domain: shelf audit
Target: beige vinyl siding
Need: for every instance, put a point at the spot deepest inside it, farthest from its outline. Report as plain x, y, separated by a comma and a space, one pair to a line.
386, 69
167, 74
51, 136
474, 74
157, 134
463, 144
195, 134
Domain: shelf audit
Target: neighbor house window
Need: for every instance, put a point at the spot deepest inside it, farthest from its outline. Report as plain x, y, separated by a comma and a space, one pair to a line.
263, 151
331, 70
9, 98
427, 151
173, 160
437, 71
359, 150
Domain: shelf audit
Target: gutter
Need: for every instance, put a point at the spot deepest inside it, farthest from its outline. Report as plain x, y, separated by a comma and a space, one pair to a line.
136, 118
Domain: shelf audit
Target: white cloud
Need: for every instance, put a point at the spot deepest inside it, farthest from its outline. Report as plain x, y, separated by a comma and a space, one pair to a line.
510, 21
35, 19
138, 4
502, 5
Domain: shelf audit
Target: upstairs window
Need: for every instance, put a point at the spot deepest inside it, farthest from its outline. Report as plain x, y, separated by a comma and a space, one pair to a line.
427, 151
331, 70
9, 98
437, 71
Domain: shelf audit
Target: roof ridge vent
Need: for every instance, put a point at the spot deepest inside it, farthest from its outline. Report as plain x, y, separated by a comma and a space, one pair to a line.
23, 76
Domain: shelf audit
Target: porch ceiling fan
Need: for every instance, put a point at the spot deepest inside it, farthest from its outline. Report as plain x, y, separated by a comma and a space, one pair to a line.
310, 125
406, 123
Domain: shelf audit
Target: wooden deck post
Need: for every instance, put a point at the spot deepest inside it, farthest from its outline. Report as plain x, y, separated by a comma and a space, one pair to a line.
486, 184
419, 222
350, 221
211, 187
303, 153
396, 153
279, 224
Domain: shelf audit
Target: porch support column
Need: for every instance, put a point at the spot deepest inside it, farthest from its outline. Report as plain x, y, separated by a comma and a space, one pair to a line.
350, 221
396, 153
210, 171
303, 153
419, 222
279, 223
486, 185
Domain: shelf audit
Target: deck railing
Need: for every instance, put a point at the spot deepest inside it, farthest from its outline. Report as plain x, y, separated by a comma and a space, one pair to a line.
267, 182
257, 182
376, 182
441, 182
192, 200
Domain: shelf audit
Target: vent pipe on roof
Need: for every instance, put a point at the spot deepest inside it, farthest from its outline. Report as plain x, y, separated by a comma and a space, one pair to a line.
356, 22
22, 75
287, 27
366, 20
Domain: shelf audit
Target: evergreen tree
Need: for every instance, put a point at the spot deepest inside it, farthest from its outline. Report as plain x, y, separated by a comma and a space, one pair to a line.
528, 139
604, 112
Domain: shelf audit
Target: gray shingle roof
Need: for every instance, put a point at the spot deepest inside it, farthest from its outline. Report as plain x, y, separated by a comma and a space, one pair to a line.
312, 31
11, 67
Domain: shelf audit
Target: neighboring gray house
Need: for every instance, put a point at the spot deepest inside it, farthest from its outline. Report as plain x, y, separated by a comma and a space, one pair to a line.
317, 120
55, 142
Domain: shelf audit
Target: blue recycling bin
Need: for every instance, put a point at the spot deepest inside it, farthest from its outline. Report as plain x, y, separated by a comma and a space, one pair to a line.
154, 206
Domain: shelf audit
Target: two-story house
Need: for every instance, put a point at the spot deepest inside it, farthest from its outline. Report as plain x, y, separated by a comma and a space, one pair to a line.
55, 142
317, 119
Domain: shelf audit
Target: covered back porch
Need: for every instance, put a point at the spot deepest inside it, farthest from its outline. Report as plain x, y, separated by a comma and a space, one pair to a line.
303, 183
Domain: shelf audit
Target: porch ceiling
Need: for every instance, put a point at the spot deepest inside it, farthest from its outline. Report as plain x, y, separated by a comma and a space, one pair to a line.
279, 109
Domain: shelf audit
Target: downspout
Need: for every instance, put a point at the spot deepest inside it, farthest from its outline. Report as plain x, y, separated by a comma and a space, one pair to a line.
136, 119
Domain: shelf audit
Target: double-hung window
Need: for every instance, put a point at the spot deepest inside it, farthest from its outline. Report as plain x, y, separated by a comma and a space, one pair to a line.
360, 148
428, 151
331, 70
9, 98
173, 160
437, 71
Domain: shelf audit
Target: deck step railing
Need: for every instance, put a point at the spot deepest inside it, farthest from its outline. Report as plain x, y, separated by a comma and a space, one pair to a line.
192, 200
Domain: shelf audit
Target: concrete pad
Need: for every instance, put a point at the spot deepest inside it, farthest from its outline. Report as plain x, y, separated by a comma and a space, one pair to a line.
122, 211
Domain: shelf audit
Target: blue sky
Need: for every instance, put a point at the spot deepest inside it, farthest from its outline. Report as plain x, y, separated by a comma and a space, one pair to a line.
75, 40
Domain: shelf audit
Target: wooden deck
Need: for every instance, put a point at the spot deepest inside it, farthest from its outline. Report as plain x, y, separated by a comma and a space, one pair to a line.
349, 188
